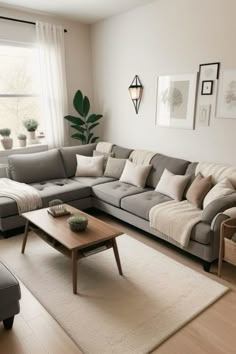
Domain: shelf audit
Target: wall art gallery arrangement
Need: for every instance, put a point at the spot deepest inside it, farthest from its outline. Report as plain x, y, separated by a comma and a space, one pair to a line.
178, 95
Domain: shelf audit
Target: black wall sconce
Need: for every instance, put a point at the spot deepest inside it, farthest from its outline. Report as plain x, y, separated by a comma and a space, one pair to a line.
136, 90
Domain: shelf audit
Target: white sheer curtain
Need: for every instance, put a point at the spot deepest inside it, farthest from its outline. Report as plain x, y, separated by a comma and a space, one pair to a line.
54, 92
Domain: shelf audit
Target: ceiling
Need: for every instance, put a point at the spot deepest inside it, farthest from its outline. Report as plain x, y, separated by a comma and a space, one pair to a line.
87, 11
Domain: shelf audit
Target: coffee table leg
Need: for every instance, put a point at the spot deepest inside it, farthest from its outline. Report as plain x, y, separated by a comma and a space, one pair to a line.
116, 254
25, 236
74, 270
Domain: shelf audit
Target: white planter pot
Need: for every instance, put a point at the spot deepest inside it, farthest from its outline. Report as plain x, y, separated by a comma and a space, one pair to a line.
22, 143
32, 138
7, 143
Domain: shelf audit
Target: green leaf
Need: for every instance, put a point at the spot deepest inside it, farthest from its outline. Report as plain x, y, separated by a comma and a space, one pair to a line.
78, 136
92, 126
79, 128
94, 139
75, 120
86, 106
78, 102
90, 137
94, 118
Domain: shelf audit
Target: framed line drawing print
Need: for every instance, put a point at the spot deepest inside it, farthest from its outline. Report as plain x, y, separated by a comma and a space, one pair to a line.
226, 103
207, 87
204, 115
209, 71
176, 101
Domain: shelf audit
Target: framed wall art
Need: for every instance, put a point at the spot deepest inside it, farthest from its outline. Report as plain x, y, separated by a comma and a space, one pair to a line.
207, 87
226, 103
209, 71
176, 101
204, 115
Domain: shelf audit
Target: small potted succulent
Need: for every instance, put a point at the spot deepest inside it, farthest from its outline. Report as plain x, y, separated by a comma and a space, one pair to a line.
21, 140
31, 126
78, 222
6, 141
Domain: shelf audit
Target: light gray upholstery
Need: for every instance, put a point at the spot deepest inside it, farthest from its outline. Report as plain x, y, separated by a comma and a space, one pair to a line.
64, 189
9, 293
35, 167
113, 192
68, 155
140, 204
160, 162
92, 181
218, 206
202, 233
120, 152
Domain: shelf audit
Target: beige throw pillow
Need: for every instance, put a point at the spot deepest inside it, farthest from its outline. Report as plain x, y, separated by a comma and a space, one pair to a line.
220, 190
172, 185
135, 174
114, 167
89, 166
198, 190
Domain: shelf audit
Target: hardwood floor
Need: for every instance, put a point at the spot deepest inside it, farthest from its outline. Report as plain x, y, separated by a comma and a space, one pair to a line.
212, 332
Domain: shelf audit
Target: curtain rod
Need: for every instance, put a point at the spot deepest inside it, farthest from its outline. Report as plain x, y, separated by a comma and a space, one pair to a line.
22, 21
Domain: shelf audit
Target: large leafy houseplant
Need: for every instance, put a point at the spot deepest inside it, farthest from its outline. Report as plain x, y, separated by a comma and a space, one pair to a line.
85, 123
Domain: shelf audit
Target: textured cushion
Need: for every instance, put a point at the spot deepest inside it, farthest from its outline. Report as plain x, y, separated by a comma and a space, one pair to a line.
140, 204
9, 288
68, 155
114, 167
220, 190
135, 174
92, 181
104, 154
120, 152
198, 190
64, 189
89, 166
35, 167
113, 192
172, 185
218, 206
160, 162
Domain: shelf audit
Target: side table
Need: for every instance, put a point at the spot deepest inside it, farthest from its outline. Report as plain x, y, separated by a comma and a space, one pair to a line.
227, 246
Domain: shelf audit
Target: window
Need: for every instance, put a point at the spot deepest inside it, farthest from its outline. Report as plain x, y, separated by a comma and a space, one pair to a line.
19, 86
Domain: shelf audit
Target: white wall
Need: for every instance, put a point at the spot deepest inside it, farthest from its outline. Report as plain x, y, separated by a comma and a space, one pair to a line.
77, 47
164, 37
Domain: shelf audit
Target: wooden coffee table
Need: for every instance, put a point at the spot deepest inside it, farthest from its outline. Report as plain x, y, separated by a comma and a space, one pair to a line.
99, 236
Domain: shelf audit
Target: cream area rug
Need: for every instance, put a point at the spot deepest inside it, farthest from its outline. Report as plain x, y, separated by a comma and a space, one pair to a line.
113, 314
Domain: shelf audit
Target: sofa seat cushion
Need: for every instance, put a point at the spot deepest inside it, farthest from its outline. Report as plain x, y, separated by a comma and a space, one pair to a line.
92, 181
113, 192
63, 188
140, 204
202, 233
9, 287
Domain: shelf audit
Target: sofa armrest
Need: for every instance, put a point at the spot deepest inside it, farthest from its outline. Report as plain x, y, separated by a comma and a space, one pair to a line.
218, 206
216, 222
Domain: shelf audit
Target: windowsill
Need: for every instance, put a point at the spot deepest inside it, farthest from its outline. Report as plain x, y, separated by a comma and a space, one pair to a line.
26, 149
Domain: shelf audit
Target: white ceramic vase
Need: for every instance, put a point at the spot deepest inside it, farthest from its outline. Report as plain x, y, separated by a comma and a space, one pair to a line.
32, 138
7, 143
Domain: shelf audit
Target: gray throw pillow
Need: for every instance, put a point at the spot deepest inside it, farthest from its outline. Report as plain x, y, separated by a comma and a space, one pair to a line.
114, 167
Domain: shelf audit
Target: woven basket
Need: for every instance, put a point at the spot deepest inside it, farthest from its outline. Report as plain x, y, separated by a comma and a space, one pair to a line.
230, 251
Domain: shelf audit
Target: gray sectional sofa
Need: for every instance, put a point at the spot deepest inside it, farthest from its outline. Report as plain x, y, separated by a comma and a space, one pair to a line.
52, 173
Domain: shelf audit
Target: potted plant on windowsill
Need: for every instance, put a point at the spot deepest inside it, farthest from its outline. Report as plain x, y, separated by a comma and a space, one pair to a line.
31, 126
22, 140
6, 141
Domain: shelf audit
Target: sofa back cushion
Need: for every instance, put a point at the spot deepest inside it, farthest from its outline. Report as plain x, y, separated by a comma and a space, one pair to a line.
68, 155
36, 167
160, 162
120, 152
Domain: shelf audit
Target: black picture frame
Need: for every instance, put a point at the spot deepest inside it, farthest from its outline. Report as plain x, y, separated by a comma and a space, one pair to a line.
216, 64
207, 87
